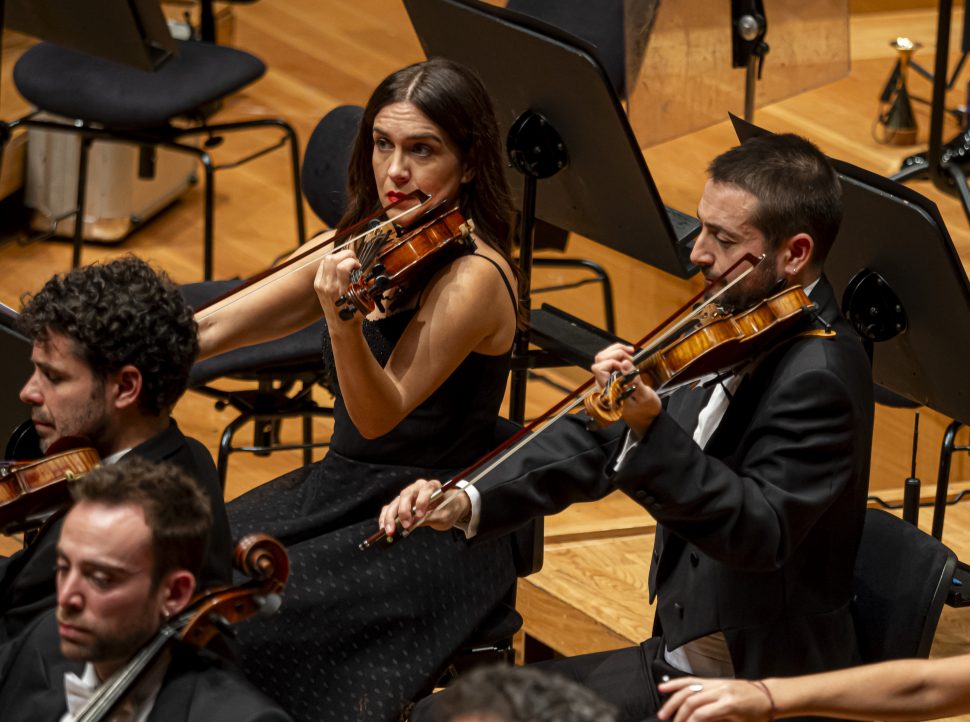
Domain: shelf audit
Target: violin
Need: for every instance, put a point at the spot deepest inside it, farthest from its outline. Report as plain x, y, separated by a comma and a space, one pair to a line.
402, 258
721, 342
390, 257
31, 489
258, 556
707, 342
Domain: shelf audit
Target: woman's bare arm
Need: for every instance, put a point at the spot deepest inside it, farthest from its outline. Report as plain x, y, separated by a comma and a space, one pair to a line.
897, 691
466, 308
278, 305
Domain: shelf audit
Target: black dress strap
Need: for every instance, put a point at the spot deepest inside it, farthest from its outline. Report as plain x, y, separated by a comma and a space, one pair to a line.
508, 286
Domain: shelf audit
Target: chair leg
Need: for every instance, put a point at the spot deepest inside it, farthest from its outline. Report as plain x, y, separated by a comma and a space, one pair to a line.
207, 232
307, 439
297, 190
82, 183
225, 446
289, 136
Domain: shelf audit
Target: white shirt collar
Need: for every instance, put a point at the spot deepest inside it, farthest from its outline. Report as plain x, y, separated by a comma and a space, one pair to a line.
115, 457
79, 690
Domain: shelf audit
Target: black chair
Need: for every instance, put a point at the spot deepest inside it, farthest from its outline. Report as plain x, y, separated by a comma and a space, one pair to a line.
902, 577
100, 100
285, 371
491, 643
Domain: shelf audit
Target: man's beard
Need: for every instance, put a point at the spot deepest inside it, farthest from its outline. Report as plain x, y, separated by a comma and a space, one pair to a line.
119, 647
758, 285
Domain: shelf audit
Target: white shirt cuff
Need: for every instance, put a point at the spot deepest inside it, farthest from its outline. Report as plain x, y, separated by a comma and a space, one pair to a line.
471, 527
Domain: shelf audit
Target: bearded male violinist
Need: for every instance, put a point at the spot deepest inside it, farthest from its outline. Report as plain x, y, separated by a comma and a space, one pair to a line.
757, 483
128, 554
112, 348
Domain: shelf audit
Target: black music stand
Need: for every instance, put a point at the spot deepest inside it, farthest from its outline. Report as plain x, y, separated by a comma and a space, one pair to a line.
133, 32
564, 125
914, 307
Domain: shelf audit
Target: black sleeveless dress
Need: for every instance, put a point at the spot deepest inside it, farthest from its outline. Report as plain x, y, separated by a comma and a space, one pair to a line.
361, 633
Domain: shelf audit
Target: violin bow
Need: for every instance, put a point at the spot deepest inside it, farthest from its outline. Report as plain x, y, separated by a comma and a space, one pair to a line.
481, 468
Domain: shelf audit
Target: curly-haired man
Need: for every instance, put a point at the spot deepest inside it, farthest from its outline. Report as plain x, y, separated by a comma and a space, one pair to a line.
113, 345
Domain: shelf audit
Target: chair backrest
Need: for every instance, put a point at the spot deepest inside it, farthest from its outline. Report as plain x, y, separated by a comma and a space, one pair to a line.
599, 23
325, 162
902, 576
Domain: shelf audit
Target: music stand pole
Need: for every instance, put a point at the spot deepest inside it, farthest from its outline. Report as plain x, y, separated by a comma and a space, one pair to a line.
4, 127
520, 376
944, 17
536, 151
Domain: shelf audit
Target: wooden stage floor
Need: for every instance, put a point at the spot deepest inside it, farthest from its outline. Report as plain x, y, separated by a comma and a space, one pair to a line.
324, 53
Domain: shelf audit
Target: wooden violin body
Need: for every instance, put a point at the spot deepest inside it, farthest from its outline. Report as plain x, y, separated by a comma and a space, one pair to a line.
406, 257
721, 343
31, 488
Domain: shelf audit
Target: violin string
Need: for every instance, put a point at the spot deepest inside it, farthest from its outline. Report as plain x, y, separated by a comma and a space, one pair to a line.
364, 236
112, 691
644, 353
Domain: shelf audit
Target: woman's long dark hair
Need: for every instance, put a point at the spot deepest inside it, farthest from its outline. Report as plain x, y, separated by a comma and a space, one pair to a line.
452, 97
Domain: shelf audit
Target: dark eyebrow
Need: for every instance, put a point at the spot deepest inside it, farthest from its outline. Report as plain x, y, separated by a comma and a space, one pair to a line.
46, 367
714, 228
416, 136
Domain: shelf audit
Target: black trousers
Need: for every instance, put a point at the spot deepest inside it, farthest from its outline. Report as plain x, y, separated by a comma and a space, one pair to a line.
626, 678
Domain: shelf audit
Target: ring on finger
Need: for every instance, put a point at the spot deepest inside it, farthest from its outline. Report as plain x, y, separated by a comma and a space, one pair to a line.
696, 687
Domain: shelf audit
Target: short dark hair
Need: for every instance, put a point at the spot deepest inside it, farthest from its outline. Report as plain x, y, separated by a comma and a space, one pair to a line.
454, 98
118, 313
523, 694
177, 512
797, 188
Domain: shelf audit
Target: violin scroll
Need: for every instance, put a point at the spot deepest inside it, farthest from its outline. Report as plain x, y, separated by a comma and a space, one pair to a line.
264, 560
605, 407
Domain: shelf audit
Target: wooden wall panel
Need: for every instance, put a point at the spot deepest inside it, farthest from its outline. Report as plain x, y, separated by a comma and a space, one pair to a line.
686, 80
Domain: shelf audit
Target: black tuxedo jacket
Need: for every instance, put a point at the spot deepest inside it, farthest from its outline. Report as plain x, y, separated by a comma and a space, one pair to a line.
196, 687
757, 532
27, 578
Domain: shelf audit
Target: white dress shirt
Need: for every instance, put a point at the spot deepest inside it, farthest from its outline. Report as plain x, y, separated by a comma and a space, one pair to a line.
136, 708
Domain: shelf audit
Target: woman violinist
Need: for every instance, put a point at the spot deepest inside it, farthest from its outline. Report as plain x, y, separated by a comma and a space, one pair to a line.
417, 388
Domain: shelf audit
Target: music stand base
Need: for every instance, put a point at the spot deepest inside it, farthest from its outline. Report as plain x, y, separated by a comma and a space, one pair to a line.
956, 155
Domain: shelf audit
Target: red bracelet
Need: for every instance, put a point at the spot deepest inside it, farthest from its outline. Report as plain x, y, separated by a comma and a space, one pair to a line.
771, 700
